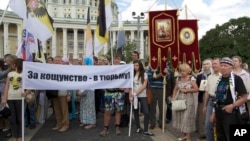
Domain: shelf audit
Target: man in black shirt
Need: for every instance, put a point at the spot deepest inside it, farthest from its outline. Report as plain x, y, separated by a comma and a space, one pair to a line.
225, 103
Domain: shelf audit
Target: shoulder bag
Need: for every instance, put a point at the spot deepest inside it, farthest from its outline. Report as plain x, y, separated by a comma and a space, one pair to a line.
179, 105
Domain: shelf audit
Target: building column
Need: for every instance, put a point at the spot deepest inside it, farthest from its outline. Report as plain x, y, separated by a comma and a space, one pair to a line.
6, 38
132, 35
141, 44
114, 39
84, 42
87, 3
44, 46
75, 55
65, 48
19, 33
53, 50
19, 40
146, 48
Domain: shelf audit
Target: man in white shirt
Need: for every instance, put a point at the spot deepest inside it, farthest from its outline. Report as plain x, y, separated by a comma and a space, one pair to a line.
210, 92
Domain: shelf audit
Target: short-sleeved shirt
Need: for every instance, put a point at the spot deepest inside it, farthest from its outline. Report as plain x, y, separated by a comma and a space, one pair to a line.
211, 83
137, 84
223, 93
15, 86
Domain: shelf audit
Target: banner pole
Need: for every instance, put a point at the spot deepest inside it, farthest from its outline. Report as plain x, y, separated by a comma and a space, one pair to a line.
22, 118
166, 4
130, 119
111, 51
164, 105
130, 114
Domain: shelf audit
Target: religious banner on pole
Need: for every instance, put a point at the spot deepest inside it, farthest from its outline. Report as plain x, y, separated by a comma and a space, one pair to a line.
163, 32
188, 43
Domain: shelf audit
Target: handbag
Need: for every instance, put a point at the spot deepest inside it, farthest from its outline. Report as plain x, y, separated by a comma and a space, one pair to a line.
179, 105
149, 94
5, 112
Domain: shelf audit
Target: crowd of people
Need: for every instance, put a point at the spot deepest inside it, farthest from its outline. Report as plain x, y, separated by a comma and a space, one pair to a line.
216, 97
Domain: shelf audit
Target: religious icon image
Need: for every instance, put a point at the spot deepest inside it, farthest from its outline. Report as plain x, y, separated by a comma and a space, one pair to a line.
163, 30
187, 36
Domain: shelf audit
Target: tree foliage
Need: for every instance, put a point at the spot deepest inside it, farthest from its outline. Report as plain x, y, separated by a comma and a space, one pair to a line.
230, 39
125, 51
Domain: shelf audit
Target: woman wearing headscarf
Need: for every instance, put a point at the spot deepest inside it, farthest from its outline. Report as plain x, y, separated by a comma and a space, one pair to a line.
87, 103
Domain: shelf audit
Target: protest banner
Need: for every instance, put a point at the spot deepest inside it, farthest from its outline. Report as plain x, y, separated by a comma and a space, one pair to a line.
43, 76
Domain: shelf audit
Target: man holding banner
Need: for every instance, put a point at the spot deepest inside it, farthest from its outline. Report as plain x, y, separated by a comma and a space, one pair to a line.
61, 104
114, 100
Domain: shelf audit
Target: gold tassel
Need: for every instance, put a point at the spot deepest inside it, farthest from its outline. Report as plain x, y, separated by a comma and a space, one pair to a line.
154, 75
164, 81
176, 73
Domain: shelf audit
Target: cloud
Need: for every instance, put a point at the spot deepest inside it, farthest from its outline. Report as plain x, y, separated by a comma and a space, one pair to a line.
4, 4
208, 12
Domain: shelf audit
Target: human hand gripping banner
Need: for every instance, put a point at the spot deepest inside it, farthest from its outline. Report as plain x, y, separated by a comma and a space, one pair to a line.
163, 38
189, 46
43, 76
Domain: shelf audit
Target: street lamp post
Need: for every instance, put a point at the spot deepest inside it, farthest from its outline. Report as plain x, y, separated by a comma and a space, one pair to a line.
138, 17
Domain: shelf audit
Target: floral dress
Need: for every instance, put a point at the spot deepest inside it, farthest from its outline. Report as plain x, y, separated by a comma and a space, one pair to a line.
87, 107
184, 121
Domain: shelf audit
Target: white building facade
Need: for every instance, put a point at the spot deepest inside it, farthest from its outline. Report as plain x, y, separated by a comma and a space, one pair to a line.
70, 22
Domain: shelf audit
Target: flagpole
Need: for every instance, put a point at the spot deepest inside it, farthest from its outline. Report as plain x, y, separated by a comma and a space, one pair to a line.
164, 94
130, 118
165, 4
4, 13
186, 14
22, 118
112, 58
164, 105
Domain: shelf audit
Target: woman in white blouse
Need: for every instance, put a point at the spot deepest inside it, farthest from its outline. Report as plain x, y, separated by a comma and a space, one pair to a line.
139, 94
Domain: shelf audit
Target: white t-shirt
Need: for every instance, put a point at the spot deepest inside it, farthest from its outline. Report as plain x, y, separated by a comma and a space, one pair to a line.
137, 84
15, 86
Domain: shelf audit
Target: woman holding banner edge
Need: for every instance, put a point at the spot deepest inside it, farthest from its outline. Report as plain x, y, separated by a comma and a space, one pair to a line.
139, 95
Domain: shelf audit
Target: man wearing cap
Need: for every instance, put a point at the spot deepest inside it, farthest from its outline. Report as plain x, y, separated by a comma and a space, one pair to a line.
225, 104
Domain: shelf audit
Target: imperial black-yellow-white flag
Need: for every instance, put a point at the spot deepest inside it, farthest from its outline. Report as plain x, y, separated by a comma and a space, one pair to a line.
121, 39
89, 44
35, 16
104, 21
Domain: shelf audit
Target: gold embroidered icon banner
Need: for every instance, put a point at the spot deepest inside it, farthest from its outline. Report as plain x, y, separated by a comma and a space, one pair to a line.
163, 38
189, 46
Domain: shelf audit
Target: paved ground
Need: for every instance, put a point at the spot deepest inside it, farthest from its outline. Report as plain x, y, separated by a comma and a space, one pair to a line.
43, 132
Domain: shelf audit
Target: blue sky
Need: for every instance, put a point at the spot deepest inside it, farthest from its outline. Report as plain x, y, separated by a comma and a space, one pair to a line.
208, 12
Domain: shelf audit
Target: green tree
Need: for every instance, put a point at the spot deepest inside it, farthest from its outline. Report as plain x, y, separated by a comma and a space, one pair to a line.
125, 51
229, 39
